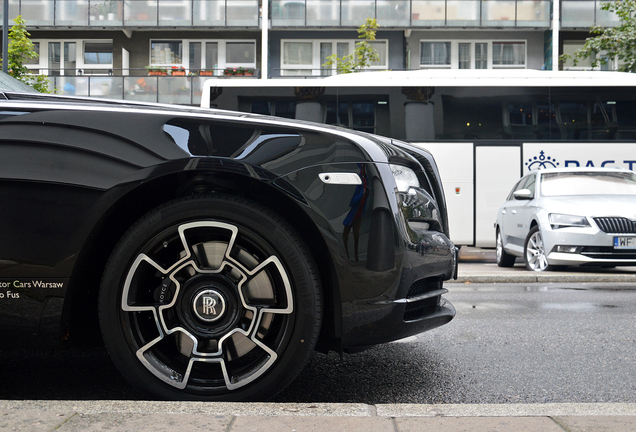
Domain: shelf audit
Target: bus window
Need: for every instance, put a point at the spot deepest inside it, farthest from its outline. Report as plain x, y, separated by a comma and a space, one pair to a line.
339, 116
519, 120
363, 116
626, 118
572, 119
358, 116
285, 109
520, 113
261, 107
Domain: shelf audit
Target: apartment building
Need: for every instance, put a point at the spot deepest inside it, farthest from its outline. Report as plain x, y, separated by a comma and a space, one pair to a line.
162, 50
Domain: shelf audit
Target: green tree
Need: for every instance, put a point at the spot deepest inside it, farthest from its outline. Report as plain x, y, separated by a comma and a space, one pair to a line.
21, 50
612, 42
363, 54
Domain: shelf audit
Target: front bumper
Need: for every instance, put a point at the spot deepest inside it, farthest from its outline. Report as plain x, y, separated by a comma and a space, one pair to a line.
593, 247
416, 304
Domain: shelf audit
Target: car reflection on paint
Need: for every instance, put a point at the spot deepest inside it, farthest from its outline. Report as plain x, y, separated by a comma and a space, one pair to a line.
212, 251
569, 216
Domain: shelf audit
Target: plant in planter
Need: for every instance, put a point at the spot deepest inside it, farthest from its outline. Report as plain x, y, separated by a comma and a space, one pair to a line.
156, 70
229, 71
105, 10
240, 71
249, 71
206, 72
177, 71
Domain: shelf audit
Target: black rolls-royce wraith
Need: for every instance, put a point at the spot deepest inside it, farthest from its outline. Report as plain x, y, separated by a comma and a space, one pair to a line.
212, 251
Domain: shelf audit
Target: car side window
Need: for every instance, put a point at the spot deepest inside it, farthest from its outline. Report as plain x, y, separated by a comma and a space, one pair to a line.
530, 184
517, 187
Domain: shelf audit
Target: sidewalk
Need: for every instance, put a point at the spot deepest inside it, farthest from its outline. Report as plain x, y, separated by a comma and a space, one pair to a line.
71, 416
480, 266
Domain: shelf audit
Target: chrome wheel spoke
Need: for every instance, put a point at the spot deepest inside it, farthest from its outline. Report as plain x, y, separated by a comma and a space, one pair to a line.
204, 301
535, 253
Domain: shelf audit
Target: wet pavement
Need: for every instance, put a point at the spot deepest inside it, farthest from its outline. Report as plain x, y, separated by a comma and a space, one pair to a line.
476, 266
479, 266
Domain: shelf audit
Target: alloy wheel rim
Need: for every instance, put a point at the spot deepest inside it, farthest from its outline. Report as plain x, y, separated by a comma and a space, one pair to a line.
535, 253
499, 246
207, 305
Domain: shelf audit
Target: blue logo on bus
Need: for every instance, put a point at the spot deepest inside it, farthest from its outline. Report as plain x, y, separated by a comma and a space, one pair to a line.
541, 161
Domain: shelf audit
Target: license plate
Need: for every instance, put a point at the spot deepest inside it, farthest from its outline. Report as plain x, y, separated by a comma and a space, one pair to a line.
624, 242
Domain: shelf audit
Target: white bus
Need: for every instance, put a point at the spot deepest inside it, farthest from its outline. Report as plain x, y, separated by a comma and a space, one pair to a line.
486, 128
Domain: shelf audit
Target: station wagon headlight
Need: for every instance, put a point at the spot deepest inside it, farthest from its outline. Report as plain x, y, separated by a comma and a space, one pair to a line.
563, 221
405, 177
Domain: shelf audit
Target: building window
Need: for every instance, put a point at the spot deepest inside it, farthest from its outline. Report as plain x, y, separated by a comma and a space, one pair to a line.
472, 54
209, 54
307, 57
72, 57
166, 52
509, 54
570, 47
436, 54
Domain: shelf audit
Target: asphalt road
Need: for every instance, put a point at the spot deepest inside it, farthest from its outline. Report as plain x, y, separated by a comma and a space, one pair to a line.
510, 343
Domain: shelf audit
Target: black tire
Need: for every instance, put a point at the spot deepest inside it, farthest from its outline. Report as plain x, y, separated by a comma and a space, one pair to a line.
210, 298
504, 259
534, 253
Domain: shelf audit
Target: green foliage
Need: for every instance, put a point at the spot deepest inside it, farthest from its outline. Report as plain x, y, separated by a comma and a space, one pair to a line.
363, 54
612, 42
21, 50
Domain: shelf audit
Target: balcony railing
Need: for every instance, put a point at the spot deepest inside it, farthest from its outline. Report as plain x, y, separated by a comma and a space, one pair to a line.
585, 14
137, 13
411, 13
307, 13
171, 89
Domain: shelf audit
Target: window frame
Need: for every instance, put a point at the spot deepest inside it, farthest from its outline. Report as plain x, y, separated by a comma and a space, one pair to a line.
454, 53
222, 53
42, 65
316, 68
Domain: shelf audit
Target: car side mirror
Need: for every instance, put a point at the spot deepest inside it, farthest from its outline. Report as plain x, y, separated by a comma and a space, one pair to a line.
523, 194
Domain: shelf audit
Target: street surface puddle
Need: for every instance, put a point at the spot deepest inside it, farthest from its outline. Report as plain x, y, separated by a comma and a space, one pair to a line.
574, 306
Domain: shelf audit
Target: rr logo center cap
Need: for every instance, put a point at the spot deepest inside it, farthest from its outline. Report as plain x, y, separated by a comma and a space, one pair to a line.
209, 305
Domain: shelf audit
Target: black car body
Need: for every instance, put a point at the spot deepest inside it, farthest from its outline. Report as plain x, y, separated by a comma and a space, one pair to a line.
214, 250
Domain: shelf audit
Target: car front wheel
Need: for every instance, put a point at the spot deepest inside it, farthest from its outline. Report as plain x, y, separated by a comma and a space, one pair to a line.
534, 252
211, 298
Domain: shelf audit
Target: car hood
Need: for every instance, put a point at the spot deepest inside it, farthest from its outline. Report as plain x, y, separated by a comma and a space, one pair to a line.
591, 205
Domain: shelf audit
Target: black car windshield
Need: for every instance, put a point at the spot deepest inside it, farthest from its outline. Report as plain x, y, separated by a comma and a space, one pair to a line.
588, 183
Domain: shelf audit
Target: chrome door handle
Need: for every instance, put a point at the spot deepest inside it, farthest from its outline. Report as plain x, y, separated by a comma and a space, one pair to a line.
514, 212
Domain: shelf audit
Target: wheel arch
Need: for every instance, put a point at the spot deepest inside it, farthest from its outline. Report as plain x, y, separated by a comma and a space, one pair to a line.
79, 318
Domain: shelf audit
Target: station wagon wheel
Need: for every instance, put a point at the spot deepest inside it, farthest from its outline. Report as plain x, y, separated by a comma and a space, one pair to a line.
534, 252
213, 298
504, 259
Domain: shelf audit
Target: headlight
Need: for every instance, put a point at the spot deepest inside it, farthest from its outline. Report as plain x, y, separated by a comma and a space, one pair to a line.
563, 221
404, 177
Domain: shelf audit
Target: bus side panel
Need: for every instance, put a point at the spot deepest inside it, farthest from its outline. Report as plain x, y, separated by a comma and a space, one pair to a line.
578, 154
496, 171
455, 164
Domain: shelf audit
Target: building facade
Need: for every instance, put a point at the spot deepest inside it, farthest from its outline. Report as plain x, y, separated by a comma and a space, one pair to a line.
162, 50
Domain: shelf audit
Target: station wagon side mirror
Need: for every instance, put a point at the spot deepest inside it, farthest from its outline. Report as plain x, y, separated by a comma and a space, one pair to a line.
523, 194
